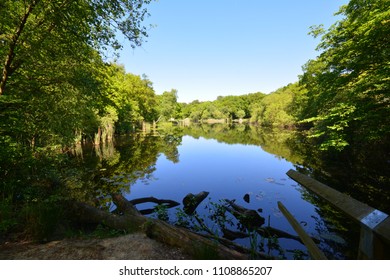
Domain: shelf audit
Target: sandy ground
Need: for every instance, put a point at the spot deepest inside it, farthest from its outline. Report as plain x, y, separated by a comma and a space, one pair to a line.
128, 247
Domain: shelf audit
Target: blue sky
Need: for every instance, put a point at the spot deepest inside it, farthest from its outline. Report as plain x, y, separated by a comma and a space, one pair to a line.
207, 48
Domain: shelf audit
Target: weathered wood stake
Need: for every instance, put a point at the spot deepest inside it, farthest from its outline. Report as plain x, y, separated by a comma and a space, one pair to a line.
375, 225
314, 252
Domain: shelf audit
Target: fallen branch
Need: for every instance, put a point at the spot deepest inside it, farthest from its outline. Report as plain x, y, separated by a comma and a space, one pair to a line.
252, 220
166, 202
247, 217
131, 220
192, 201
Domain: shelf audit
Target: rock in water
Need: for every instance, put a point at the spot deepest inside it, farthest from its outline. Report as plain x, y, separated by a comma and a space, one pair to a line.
247, 198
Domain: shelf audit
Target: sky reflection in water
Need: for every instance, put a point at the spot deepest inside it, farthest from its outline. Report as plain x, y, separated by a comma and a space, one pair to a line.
229, 172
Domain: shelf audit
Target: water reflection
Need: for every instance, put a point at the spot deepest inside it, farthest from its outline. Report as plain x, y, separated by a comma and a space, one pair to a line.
244, 164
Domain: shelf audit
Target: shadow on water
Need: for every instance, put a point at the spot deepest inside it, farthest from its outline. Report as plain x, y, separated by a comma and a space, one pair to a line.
151, 165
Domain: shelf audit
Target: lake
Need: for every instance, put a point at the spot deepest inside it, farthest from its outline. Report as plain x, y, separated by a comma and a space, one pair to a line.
242, 164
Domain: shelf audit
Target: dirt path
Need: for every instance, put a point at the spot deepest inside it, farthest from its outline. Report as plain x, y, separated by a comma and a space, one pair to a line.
128, 247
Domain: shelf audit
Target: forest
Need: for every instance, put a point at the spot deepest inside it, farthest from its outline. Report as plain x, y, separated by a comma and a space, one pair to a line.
60, 87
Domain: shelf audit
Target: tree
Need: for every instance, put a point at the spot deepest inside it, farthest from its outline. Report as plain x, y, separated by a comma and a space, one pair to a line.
348, 89
29, 27
275, 109
240, 114
132, 96
53, 89
168, 105
52, 66
224, 107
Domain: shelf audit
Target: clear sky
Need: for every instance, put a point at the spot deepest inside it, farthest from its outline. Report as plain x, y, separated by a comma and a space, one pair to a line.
207, 48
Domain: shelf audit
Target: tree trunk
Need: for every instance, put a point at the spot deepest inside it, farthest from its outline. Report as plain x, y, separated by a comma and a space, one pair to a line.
11, 51
98, 136
192, 201
191, 243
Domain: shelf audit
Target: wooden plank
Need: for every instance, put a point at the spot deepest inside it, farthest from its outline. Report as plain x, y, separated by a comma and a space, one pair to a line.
354, 208
314, 251
362, 213
383, 230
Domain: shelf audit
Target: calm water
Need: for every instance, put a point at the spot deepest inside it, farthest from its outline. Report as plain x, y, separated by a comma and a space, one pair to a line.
229, 163
229, 172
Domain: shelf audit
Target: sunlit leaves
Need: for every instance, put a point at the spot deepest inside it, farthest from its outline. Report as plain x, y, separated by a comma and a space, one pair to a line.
352, 70
53, 70
132, 96
225, 107
275, 109
167, 104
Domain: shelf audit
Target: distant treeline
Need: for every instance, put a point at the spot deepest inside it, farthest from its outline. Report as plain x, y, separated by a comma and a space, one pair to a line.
270, 110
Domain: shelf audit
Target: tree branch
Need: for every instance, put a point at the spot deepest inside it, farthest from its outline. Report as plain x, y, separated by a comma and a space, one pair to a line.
14, 41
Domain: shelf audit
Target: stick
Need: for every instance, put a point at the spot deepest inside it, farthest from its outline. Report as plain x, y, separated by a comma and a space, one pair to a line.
314, 252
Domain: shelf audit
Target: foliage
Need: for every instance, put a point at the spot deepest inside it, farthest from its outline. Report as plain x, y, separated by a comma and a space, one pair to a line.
275, 109
161, 212
131, 96
32, 195
53, 70
167, 105
7, 219
224, 107
94, 231
348, 84
55, 92
105, 232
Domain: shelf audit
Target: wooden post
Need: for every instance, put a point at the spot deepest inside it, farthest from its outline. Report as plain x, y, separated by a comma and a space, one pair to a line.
314, 251
375, 225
